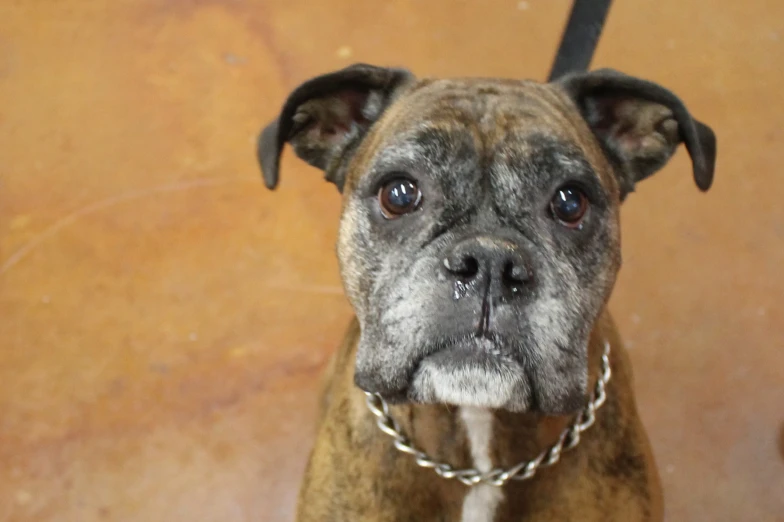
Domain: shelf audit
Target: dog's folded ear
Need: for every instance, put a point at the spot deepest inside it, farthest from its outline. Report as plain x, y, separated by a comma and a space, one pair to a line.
325, 118
640, 124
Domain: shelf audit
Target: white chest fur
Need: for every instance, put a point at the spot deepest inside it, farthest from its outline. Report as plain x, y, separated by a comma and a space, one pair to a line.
482, 501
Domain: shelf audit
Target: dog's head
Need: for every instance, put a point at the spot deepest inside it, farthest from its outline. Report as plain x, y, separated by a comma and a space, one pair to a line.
479, 239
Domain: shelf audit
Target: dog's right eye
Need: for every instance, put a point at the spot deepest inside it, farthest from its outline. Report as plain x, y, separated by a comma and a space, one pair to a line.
398, 197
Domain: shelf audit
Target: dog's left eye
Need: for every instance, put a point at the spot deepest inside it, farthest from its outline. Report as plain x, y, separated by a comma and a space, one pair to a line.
569, 206
398, 197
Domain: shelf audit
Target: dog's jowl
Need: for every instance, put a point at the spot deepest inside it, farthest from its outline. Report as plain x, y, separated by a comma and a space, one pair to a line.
478, 245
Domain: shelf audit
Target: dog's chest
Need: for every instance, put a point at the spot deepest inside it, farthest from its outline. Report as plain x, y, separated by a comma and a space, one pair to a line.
482, 501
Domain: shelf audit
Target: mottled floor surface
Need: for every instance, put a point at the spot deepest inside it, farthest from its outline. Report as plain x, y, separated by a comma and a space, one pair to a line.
163, 317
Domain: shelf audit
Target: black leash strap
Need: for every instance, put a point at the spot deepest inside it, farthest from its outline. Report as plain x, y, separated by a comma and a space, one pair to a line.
580, 37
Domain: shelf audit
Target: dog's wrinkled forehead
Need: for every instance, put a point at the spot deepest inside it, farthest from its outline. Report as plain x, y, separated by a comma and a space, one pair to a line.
480, 120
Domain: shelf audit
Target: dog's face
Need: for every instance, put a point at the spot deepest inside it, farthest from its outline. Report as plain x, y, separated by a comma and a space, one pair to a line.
479, 242
479, 239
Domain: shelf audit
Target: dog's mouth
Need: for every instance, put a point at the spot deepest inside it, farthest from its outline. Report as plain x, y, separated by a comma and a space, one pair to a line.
486, 348
485, 345
474, 370
489, 371
500, 357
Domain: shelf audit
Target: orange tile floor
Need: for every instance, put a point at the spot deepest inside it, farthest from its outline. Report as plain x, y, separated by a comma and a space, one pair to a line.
163, 317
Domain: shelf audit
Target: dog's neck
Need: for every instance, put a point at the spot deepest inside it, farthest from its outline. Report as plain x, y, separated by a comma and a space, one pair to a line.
484, 439
473, 437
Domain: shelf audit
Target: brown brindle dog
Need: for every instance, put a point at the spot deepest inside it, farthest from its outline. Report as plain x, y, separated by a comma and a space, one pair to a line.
479, 244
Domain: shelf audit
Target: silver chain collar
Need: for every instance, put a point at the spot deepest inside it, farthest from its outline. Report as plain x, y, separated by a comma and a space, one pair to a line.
568, 439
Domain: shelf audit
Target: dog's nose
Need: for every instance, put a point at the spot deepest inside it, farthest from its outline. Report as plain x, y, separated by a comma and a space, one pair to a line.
499, 263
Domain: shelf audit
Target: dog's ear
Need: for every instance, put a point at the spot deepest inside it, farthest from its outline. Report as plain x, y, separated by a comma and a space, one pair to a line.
640, 124
326, 117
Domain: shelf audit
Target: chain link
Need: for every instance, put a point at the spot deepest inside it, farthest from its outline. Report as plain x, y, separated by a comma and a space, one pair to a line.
568, 439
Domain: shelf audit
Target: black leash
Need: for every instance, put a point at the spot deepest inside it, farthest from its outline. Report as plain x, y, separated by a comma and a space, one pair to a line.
580, 37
